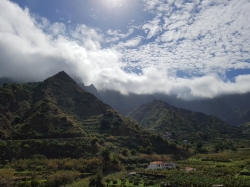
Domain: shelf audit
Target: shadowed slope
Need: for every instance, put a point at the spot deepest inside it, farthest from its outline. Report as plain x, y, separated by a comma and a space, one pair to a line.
160, 116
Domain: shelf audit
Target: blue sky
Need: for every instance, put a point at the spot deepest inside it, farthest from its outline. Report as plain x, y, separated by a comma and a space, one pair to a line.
194, 49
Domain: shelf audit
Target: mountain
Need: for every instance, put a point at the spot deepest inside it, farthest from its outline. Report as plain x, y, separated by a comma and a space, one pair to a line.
233, 109
57, 118
183, 124
245, 128
57, 107
6, 80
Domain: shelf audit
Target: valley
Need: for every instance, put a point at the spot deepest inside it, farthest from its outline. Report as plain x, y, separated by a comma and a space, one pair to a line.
53, 133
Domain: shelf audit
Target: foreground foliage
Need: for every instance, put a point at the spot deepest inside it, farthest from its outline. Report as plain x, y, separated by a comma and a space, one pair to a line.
229, 168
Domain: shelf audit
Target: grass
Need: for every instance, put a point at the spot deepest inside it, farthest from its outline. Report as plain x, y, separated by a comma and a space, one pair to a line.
226, 168
210, 169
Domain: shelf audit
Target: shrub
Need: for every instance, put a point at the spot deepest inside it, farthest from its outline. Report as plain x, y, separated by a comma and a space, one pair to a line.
6, 177
17, 119
247, 173
105, 124
64, 118
124, 152
34, 183
61, 178
94, 140
3, 143
136, 182
39, 168
151, 182
96, 180
133, 152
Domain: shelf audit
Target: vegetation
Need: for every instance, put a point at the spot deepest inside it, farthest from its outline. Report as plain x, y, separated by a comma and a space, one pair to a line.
182, 124
227, 167
57, 108
55, 134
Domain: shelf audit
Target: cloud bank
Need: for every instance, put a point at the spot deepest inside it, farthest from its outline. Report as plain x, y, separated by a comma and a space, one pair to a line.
207, 38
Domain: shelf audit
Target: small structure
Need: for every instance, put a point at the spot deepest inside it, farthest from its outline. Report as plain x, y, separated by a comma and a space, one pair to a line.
161, 165
188, 169
132, 173
171, 165
156, 165
167, 135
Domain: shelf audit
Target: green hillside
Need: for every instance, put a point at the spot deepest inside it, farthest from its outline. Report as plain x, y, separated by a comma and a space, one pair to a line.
56, 108
56, 118
245, 128
184, 124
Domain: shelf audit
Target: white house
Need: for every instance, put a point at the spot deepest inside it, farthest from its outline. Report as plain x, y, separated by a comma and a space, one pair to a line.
156, 165
161, 165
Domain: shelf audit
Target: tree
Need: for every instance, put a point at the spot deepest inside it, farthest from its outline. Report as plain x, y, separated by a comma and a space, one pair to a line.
105, 159
149, 150
34, 183
94, 140
105, 124
107, 181
234, 149
199, 145
133, 152
96, 181
218, 147
124, 152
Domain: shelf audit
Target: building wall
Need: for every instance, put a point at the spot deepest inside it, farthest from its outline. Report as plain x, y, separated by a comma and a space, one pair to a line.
156, 166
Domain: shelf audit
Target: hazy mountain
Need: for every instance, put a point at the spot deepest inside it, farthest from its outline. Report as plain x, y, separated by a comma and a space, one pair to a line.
6, 80
233, 109
245, 127
162, 117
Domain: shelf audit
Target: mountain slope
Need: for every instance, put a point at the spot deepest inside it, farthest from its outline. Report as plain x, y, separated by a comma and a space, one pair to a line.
245, 128
56, 118
234, 109
57, 107
162, 117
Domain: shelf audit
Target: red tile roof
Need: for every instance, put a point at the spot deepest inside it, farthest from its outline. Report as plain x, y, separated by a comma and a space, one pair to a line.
157, 162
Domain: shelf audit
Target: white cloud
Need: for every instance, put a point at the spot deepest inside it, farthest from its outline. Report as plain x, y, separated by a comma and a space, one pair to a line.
203, 38
30, 50
116, 34
207, 38
134, 42
56, 29
152, 27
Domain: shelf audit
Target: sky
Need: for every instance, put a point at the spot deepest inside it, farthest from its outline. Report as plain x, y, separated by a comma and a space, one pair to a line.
195, 49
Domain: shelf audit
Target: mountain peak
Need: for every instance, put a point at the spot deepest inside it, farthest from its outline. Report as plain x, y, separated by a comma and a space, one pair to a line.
62, 75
